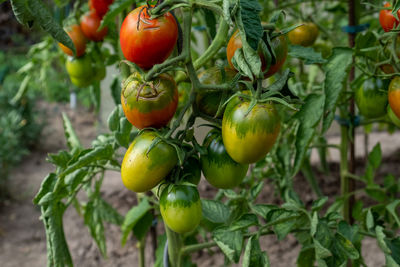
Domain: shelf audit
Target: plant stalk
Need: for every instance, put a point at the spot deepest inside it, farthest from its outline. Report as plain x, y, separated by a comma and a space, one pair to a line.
175, 244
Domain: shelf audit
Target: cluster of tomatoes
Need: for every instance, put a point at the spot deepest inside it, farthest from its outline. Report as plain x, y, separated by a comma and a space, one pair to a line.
373, 95
246, 134
83, 68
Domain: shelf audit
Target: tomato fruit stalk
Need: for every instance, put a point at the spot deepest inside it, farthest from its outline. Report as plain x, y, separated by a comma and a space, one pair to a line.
146, 41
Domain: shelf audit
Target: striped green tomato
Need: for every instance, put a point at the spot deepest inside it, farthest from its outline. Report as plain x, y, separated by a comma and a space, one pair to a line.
180, 208
218, 167
142, 170
248, 138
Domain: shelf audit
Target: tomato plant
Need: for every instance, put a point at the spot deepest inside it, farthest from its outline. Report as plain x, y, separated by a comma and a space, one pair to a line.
218, 167
90, 24
142, 168
304, 35
150, 104
146, 41
180, 207
263, 131
79, 40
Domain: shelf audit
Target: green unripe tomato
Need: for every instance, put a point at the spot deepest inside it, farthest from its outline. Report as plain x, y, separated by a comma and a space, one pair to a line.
192, 170
80, 70
218, 167
371, 98
180, 208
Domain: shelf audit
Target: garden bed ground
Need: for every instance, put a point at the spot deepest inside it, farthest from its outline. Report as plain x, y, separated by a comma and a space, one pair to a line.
22, 237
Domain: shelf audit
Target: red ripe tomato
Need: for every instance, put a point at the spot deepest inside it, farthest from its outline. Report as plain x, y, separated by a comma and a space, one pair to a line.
146, 41
279, 44
386, 18
149, 104
100, 6
90, 24
79, 40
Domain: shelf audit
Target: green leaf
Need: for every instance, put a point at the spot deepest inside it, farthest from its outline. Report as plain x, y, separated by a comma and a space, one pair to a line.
240, 64
116, 91
122, 136
394, 246
349, 231
253, 256
320, 251
391, 208
161, 240
92, 155
132, 218
21, 12
244, 222
390, 262
309, 116
95, 95
45, 19
109, 214
113, 119
251, 22
284, 222
211, 22
94, 221
375, 192
230, 242
116, 8
70, 134
47, 186
380, 237
306, 257
23, 88
215, 211
346, 246
262, 209
60, 160
319, 203
369, 220
143, 225
337, 70
314, 223
308, 54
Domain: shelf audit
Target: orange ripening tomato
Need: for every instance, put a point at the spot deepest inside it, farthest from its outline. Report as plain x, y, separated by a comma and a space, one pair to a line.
146, 41
394, 95
90, 24
79, 40
386, 18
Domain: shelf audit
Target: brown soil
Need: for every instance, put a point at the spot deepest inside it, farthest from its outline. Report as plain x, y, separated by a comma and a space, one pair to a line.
22, 237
